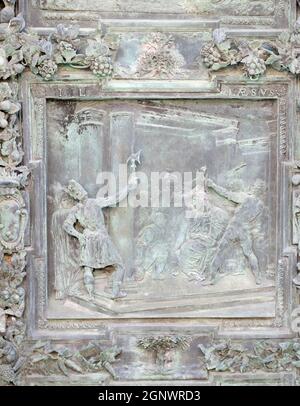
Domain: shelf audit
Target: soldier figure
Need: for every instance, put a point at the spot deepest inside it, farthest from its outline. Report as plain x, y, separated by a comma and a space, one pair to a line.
250, 207
97, 250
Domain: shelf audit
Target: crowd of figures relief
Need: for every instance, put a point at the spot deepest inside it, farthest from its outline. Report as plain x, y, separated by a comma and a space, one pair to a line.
221, 235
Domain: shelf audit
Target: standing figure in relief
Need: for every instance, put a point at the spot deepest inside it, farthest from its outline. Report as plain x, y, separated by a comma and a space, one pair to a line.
199, 238
65, 248
97, 250
250, 208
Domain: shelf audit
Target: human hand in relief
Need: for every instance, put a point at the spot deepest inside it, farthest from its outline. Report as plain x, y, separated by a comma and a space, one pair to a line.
210, 183
81, 238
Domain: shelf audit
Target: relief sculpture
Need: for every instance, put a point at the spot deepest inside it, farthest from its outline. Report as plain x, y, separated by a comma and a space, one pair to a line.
252, 7
96, 249
211, 233
216, 242
152, 248
249, 208
254, 57
13, 218
185, 273
203, 232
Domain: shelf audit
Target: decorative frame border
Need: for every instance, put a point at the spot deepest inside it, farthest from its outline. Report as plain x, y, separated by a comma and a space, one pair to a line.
17, 190
281, 11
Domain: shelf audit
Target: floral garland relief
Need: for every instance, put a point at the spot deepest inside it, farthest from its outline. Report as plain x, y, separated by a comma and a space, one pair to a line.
21, 49
254, 56
236, 357
159, 57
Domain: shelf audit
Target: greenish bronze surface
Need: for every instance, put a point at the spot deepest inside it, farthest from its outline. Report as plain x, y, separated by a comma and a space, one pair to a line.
129, 286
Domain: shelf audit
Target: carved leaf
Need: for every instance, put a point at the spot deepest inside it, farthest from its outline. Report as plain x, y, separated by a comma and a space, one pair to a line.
62, 366
73, 365
275, 62
38, 358
66, 56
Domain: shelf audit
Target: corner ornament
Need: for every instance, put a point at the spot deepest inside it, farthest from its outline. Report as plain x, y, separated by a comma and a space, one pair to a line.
255, 56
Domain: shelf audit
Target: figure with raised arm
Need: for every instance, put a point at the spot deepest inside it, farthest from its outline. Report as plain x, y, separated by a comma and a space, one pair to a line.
249, 208
200, 232
97, 250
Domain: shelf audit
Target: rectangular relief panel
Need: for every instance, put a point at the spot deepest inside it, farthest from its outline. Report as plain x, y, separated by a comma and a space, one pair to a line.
271, 13
215, 257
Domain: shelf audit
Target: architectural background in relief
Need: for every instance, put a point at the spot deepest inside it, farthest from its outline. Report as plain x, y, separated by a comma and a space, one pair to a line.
161, 247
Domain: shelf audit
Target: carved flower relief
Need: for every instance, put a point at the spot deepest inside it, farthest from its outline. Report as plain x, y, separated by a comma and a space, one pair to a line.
11, 55
218, 56
159, 57
163, 348
10, 149
8, 110
253, 56
20, 49
64, 43
12, 355
68, 35
68, 49
10, 62
222, 53
12, 294
266, 356
13, 301
94, 53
